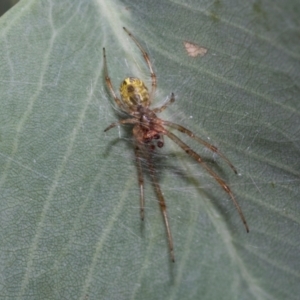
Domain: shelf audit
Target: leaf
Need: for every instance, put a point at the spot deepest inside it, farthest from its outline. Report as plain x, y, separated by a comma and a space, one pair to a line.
70, 224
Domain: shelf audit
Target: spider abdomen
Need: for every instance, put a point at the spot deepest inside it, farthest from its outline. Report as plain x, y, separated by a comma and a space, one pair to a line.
134, 92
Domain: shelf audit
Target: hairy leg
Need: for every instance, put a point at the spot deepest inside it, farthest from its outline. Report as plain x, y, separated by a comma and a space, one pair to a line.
161, 201
137, 153
220, 181
163, 107
206, 144
148, 61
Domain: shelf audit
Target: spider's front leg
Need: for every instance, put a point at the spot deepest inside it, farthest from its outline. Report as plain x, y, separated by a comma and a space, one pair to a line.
125, 121
162, 204
143, 148
137, 152
217, 178
147, 153
198, 139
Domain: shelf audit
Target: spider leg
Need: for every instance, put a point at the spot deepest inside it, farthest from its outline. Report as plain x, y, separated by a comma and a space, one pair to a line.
162, 203
201, 141
164, 106
110, 86
125, 121
137, 153
220, 181
148, 61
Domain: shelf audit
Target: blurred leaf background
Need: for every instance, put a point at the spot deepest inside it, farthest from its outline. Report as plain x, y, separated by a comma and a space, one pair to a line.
5, 5
69, 213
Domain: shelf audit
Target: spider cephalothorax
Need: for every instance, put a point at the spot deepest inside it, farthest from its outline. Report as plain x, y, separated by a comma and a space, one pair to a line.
149, 130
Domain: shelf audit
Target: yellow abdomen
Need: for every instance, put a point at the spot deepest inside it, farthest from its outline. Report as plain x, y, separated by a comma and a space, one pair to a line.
134, 92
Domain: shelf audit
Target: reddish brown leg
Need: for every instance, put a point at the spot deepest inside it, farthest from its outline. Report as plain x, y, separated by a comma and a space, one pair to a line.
110, 86
206, 144
162, 204
220, 181
125, 121
147, 59
137, 153
163, 107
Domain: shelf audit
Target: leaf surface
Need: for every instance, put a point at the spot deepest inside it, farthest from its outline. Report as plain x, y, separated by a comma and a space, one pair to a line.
69, 217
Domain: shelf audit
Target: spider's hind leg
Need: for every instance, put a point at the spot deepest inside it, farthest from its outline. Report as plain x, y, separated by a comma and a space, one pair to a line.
109, 84
148, 61
164, 106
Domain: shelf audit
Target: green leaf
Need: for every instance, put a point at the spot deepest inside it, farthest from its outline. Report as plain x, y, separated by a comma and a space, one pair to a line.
70, 225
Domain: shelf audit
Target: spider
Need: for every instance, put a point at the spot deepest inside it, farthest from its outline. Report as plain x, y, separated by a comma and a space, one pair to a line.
149, 131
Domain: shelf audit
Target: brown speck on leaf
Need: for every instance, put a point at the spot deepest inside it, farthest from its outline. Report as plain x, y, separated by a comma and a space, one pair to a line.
194, 50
